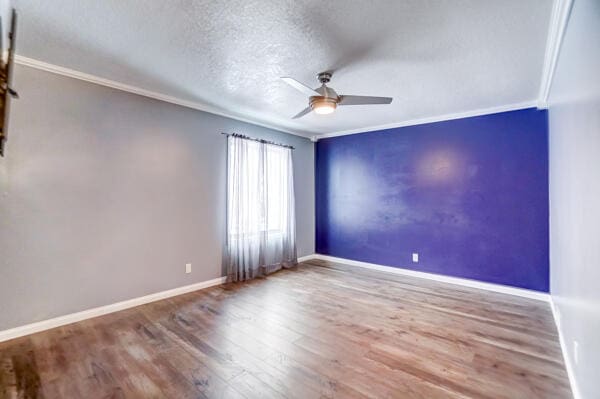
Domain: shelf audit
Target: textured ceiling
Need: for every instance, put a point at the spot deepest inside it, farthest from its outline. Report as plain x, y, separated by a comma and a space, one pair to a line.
433, 57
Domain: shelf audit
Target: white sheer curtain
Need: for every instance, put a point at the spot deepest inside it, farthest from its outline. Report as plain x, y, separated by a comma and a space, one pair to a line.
261, 221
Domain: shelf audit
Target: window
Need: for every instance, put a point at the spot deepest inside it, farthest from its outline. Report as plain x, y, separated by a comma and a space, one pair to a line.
260, 206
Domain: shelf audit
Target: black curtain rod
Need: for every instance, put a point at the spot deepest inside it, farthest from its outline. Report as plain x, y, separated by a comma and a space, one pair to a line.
241, 136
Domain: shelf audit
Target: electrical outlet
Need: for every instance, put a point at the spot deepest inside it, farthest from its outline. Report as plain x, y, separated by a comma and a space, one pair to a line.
415, 257
576, 352
188, 267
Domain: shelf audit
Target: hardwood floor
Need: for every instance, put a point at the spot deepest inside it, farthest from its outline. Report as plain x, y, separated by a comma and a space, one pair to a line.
320, 330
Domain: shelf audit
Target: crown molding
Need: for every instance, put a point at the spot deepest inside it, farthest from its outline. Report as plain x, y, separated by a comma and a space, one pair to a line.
71, 73
439, 118
59, 70
556, 33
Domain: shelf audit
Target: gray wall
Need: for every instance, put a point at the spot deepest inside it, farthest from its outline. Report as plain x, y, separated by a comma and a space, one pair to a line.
574, 121
105, 195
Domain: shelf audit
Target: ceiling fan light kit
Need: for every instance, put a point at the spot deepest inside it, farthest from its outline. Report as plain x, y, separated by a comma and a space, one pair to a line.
324, 100
322, 105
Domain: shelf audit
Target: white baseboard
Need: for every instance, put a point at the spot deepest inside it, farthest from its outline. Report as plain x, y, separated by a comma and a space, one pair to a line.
437, 277
102, 310
306, 258
563, 347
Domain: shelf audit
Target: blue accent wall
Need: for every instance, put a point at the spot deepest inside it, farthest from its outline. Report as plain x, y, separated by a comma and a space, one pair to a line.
469, 195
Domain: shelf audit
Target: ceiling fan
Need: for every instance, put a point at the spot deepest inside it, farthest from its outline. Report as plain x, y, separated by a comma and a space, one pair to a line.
324, 100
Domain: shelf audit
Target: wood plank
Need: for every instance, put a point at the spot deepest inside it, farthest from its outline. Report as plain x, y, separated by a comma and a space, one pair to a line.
320, 330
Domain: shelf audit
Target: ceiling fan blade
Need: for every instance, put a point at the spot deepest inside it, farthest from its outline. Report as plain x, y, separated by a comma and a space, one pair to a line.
363, 100
300, 86
302, 113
